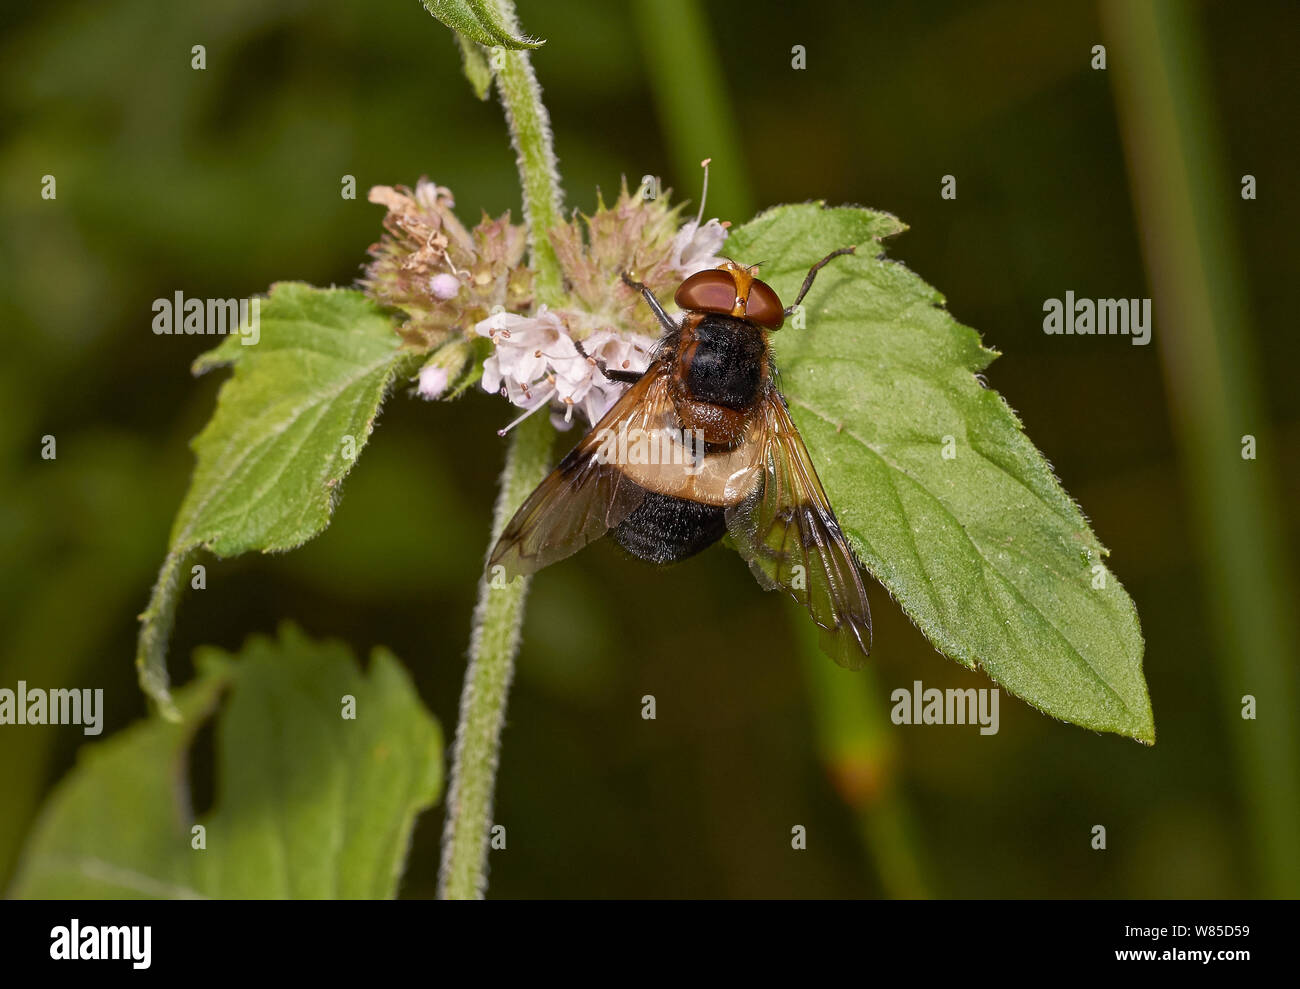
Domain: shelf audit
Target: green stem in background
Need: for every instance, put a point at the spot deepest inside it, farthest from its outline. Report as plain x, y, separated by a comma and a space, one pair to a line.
694, 112
859, 753
853, 740
500, 611
1181, 192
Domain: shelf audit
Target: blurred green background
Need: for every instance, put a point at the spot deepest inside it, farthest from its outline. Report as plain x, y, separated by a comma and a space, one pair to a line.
219, 182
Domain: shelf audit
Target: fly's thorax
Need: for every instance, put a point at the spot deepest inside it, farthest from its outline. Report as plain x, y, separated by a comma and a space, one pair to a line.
721, 371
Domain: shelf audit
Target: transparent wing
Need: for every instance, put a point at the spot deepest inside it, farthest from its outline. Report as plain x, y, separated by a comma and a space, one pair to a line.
788, 533
583, 498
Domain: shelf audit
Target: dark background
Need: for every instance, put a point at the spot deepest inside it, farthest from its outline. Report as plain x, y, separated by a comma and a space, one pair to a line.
219, 182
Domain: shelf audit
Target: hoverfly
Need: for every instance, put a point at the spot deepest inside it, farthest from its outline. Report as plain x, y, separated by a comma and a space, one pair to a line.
752, 477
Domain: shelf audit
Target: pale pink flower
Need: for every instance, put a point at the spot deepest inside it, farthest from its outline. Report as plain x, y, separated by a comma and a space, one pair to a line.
535, 363
526, 350
620, 352
696, 246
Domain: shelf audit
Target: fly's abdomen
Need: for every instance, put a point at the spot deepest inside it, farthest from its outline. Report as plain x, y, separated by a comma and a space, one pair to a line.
664, 529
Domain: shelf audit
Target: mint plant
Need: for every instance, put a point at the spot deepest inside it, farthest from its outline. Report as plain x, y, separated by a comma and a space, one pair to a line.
328, 816
946, 501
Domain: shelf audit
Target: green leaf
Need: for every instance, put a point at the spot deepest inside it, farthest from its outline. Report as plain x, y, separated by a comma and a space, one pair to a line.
287, 429
984, 551
480, 21
309, 804
475, 65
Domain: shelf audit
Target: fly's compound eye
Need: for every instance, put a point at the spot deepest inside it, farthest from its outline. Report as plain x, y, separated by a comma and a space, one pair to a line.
764, 308
713, 290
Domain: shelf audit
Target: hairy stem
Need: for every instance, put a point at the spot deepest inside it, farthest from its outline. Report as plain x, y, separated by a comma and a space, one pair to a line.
156, 628
530, 133
497, 619
500, 610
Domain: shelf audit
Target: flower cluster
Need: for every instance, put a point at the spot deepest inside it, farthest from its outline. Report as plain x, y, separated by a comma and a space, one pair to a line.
456, 285
443, 277
535, 362
644, 237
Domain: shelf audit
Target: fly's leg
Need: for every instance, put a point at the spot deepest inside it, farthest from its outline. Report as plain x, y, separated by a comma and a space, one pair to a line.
664, 319
812, 273
627, 377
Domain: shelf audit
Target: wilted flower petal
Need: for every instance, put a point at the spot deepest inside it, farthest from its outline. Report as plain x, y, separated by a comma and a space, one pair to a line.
444, 277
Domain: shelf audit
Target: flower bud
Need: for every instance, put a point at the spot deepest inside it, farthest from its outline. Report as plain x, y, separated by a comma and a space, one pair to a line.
444, 368
444, 286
